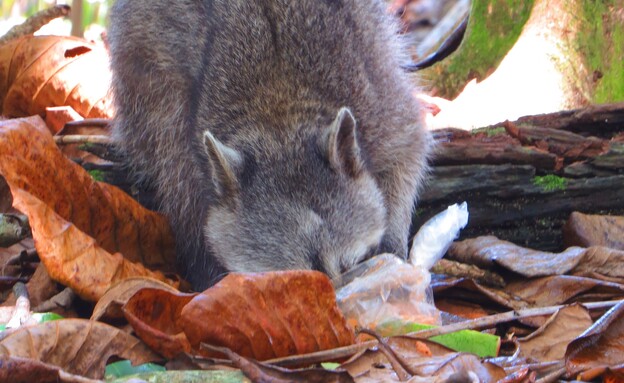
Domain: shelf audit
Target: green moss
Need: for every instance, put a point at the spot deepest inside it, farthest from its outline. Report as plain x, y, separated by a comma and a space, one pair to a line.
601, 41
490, 132
550, 182
97, 175
494, 27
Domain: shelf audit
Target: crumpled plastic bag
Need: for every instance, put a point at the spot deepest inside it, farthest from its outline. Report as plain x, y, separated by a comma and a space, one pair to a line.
387, 289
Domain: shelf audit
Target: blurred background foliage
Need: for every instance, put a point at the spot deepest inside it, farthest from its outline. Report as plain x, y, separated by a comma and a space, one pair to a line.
88, 16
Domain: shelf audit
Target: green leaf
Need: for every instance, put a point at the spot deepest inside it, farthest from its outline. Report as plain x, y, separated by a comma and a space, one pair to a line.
125, 368
46, 317
187, 377
330, 366
473, 342
39, 317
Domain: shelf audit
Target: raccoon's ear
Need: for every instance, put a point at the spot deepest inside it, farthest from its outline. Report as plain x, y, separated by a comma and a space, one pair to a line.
341, 146
224, 162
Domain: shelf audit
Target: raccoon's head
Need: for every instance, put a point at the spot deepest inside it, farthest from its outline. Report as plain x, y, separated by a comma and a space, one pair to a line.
309, 203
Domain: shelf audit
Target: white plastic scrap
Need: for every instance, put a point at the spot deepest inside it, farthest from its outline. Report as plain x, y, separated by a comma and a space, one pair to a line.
436, 235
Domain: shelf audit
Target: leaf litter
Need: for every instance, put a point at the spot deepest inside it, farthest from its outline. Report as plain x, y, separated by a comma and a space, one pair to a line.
98, 241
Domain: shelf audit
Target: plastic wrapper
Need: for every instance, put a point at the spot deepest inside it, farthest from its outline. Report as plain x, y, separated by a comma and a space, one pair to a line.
385, 289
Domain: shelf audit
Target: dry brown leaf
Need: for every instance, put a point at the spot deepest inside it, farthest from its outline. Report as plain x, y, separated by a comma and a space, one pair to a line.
601, 346
549, 342
5, 196
16, 369
446, 367
77, 346
489, 250
601, 260
155, 317
259, 372
44, 71
562, 289
268, 315
594, 230
53, 192
73, 258
262, 316
469, 290
109, 306
40, 287
461, 308
57, 116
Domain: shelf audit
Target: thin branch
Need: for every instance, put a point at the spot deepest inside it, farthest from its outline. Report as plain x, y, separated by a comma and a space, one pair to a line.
89, 122
21, 313
83, 139
492, 320
489, 321
35, 22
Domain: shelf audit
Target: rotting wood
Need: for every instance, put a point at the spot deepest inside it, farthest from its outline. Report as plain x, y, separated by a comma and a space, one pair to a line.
522, 179
600, 120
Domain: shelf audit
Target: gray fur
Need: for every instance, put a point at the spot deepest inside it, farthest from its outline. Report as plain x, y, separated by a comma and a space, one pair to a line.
279, 134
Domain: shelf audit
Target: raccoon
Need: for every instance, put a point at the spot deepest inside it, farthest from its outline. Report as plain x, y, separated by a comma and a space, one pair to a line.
278, 134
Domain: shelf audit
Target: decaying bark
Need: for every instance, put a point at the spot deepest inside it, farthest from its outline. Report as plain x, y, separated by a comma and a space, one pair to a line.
522, 179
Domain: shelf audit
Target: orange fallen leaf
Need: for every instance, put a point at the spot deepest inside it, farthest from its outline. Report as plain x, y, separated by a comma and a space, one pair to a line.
154, 314
44, 71
57, 116
261, 316
68, 210
109, 306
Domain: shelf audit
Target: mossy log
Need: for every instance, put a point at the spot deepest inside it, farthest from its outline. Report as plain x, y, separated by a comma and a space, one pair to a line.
531, 57
522, 188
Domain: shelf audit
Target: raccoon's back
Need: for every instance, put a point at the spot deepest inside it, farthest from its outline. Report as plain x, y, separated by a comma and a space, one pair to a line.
247, 69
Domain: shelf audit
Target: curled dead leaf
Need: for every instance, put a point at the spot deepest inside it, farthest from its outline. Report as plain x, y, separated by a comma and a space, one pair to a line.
109, 306
268, 315
262, 316
77, 346
549, 342
601, 346
155, 314
80, 226
45, 71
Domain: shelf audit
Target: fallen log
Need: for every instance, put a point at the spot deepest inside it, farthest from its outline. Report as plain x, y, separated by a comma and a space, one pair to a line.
522, 179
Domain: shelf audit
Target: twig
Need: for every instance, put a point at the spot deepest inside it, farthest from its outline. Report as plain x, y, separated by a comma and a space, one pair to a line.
347, 351
21, 313
89, 122
64, 299
462, 270
553, 376
35, 22
400, 366
83, 139
323, 356
66, 377
509, 316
